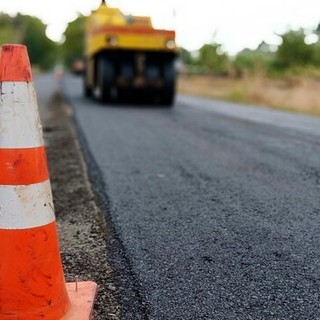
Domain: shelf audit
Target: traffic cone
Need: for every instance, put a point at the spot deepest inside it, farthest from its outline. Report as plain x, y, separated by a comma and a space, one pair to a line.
32, 284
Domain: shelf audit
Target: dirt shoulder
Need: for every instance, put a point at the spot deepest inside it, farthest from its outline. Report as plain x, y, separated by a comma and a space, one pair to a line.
83, 232
292, 94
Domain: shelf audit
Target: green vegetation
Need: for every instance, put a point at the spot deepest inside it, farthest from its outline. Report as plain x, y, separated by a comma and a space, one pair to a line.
73, 46
43, 52
211, 57
253, 61
30, 31
294, 56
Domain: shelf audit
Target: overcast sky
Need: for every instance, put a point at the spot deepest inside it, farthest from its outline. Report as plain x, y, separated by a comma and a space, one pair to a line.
234, 23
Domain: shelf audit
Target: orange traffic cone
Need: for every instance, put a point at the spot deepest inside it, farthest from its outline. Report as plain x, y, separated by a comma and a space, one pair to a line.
32, 285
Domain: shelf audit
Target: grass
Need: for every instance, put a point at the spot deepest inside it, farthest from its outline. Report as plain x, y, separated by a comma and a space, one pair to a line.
295, 94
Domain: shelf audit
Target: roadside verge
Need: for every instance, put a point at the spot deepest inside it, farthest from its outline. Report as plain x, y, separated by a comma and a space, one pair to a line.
83, 232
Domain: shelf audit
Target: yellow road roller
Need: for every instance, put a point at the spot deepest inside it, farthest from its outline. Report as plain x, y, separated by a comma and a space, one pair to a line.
127, 59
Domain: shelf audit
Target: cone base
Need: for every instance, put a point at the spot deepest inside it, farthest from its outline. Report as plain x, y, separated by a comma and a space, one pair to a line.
82, 300
32, 284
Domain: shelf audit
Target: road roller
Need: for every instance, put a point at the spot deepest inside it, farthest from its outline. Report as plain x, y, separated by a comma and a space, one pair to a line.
127, 59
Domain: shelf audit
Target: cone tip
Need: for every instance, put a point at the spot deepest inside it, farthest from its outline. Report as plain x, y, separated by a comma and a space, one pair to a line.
14, 63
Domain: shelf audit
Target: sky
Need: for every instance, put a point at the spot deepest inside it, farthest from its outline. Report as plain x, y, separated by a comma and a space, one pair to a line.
236, 24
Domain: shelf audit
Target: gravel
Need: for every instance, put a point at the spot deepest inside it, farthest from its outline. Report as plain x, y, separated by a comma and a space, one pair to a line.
83, 232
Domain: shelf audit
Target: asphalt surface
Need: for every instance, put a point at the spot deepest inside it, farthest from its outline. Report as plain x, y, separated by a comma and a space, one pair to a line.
214, 207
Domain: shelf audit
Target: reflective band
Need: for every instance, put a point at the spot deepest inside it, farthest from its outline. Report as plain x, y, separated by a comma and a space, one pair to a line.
20, 125
23, 166
23, 206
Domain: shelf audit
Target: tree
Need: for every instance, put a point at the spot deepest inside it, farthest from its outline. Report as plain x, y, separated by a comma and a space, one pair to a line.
253, 61
73, 46
42, 50
213, 59
316, 47
185, 56
29, 31
12, 29
294, 52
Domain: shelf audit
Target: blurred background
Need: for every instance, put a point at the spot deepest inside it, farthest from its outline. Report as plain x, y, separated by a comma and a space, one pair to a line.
265, 52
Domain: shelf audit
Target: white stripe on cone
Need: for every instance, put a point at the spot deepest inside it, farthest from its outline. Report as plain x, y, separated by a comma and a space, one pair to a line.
26, 206
20, 125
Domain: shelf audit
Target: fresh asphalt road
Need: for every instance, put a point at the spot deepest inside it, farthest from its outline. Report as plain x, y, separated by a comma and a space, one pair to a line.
215, 206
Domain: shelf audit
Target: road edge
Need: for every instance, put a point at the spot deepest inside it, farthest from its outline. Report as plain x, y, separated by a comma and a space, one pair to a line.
83, 233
